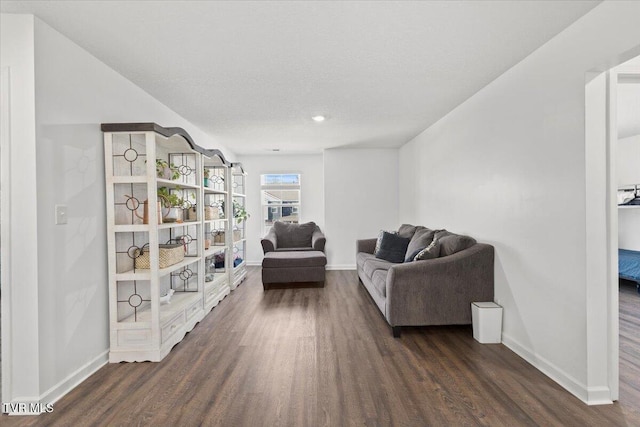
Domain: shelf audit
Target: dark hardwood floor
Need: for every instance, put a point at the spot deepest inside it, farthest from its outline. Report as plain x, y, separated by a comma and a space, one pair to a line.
326, 357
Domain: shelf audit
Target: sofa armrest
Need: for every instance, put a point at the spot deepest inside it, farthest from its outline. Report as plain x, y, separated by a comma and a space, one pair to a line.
366, 245
270, 241
318, 240
440, 291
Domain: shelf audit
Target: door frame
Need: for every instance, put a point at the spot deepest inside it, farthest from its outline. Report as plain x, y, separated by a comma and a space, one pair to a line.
5, 230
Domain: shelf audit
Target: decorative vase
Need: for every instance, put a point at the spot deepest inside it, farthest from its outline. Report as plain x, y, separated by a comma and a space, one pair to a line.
174, 215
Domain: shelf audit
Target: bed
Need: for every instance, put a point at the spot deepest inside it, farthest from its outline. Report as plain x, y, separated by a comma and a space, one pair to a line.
629, 265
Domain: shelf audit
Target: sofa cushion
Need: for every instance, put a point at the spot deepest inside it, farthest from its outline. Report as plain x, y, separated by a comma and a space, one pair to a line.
429, 252
420, 240
363, 257
372, 265
294, 235
393, 247
406, 230
379, 281
452, 243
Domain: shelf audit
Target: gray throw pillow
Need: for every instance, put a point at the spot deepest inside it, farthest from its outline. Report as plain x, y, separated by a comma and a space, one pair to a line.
420, 240
430, 252
452, 243
294, 235
380, 234
406, 230
393, 247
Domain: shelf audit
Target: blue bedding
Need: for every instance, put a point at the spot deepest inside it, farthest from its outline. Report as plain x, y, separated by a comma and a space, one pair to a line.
629, 265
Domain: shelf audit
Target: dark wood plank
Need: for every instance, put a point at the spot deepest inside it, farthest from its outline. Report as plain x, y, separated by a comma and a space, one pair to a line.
325, 357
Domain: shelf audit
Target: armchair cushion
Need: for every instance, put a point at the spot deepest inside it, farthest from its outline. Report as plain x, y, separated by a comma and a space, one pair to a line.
294, 235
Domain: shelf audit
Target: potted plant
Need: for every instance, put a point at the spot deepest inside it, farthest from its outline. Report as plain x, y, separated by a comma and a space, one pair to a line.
166, 170
173, 203
239, 212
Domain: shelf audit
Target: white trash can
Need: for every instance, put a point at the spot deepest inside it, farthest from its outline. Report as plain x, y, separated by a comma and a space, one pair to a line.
487, 322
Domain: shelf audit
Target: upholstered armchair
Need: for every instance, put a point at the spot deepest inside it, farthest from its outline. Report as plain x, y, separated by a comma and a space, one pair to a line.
284, 237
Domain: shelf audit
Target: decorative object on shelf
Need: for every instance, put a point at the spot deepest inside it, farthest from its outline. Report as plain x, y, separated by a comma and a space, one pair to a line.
218, 236
237, 234
239, 212
207, 244
169, 255
211, 213
166, 298
173, 202
206, 176
133, 204
167, 170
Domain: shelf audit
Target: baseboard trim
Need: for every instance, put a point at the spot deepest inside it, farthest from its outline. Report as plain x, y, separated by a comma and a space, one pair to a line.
254, 263
72, 380
590, 396
341, 267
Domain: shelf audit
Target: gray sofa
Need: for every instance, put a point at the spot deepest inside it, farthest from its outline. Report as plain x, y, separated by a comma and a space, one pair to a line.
293, 253
437, 291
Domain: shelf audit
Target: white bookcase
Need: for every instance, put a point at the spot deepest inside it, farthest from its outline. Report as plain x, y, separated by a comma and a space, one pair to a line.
217, 283
146, 165
238, 226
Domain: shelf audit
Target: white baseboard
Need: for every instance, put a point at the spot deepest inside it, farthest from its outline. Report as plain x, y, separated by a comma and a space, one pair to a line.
66, 385
591, 396
254, 263
341, 267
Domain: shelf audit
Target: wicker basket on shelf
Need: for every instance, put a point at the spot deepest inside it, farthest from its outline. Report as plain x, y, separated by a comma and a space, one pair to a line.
169, 255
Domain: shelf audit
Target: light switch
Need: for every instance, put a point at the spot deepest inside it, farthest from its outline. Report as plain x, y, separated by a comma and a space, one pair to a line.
61, 214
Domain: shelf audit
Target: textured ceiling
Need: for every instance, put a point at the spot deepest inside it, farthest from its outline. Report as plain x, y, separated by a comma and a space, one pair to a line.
253, 73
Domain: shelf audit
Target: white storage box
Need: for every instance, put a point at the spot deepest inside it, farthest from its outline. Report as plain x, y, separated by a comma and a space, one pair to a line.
487, 322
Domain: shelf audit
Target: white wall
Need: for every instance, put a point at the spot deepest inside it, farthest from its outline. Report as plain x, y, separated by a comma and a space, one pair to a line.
628, 159
508, 167
74, 93
312, 192
629, 173
361, 198
17, 53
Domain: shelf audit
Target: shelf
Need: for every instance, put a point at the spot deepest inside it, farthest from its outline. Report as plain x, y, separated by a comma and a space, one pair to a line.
240, 266
135, 228
208, 190
138, 179
219, 279
149, 331
144, 274
174, 184
167, 225
210, 221
179, 302
239, 241
214, 250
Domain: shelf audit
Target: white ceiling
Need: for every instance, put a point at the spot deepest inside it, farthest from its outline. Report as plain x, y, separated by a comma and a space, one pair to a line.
253, 73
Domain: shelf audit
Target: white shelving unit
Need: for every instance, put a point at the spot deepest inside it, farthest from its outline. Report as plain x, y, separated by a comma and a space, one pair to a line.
217, 248
238, 226
142, 326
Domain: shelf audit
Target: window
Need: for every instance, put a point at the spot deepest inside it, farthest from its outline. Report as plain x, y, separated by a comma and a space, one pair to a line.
280, 198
